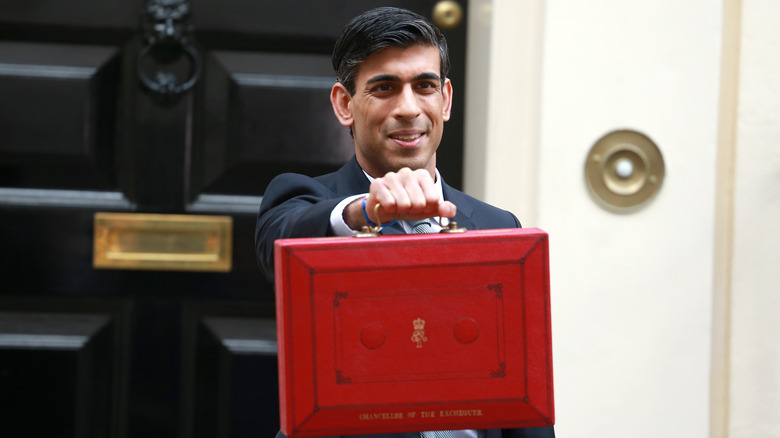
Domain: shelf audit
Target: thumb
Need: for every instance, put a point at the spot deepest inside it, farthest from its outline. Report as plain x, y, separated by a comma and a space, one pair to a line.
447, 209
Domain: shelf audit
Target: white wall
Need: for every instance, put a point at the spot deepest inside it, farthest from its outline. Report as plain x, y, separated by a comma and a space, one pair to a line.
632, 292
502, 98
754, 385
650, 337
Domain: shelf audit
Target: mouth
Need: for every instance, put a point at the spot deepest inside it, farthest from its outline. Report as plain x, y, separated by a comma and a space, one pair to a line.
407, 139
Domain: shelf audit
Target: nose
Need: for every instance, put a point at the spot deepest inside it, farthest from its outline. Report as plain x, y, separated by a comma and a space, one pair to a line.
407, 105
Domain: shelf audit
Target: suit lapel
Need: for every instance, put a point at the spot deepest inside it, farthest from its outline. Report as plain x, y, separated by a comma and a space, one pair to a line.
463, 214
351, 180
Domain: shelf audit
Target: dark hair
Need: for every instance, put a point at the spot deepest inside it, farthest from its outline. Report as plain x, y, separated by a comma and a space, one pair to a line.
378, 29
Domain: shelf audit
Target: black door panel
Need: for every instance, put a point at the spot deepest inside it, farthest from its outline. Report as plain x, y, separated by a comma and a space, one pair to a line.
88, 352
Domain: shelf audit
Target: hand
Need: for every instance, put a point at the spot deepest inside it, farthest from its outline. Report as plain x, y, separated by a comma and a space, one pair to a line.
408, 195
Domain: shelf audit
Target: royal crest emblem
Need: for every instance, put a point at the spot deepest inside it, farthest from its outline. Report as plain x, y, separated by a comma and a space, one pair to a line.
418, 335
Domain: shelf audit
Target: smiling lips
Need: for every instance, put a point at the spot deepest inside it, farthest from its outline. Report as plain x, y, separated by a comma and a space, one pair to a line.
407, 140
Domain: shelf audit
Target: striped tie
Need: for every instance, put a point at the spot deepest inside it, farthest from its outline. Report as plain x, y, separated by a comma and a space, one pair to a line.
436, 434
423, 227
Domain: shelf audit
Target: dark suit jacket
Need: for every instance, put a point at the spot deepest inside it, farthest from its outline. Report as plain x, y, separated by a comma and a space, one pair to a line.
299, 206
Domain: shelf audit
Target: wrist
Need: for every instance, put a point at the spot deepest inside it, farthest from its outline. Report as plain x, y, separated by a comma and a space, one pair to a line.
370, 222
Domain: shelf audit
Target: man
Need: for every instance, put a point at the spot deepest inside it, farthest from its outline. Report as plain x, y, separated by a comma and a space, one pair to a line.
394, 95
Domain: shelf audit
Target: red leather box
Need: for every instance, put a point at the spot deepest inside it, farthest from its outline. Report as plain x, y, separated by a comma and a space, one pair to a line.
416, 332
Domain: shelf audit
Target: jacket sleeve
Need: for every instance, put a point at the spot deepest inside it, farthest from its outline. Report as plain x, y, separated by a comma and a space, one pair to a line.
293, 206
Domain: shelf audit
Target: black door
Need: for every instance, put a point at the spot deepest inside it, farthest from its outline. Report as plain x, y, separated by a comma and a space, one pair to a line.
172, 107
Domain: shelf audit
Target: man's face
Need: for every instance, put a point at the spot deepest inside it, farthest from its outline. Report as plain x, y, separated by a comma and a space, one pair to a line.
398, 111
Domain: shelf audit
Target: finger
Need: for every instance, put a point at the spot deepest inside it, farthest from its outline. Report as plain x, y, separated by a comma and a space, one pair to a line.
447, 209
401, 201
430, 193
396, 186
416, 194
380, 194
429, 190
412, 183
420, 189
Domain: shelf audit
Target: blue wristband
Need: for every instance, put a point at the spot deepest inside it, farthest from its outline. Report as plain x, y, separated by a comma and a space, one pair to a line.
365, 215
369, 221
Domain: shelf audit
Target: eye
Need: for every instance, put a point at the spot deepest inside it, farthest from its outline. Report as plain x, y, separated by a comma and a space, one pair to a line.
384, 87
428, 85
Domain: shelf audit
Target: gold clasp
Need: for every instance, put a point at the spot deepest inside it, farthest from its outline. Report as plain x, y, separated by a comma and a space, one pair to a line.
367, 231
451, 227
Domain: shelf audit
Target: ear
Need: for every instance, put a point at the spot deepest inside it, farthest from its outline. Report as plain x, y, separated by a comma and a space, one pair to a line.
446, 91
341, 99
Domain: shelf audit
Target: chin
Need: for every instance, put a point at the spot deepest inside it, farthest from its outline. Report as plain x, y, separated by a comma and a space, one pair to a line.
413, 164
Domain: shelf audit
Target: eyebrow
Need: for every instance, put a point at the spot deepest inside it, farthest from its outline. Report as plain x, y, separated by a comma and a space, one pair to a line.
394, 78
